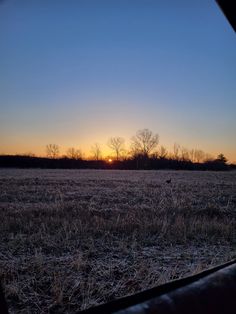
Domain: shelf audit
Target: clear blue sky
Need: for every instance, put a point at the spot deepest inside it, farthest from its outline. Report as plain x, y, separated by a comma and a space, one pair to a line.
77, 72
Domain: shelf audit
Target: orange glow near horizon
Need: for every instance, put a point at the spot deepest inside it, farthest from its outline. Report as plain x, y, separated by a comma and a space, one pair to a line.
31, 148
107, 81
35, 143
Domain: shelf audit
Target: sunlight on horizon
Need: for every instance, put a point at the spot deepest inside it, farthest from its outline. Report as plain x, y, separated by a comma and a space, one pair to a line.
78, 74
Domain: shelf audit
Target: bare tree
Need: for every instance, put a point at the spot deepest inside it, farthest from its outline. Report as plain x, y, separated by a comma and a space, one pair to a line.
96, 151
176, 151
185, 154
52, 150
191, 154
74, 153
117, 145
162, 152
199, 155
144, 142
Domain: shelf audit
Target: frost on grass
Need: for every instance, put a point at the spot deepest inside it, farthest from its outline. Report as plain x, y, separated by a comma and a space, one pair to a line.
72, 239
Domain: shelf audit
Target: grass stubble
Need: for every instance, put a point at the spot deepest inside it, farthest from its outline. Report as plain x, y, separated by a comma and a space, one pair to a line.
72, 239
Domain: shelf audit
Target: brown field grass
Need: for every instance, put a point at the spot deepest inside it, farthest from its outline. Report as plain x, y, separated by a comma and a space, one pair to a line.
72, 239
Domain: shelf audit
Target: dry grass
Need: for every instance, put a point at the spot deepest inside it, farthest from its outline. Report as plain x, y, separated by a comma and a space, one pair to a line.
72, 239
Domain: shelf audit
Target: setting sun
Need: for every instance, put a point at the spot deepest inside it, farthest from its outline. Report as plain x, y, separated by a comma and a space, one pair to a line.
117, 144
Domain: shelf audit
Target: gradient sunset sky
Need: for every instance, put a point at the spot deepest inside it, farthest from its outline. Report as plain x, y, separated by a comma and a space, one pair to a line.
78, 72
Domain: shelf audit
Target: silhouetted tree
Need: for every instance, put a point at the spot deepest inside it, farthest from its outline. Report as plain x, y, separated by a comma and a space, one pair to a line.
221, 158
176, 151
185, 154
96, 151
117, 145
199, 155
191, 155
162, 152
74, 153
52, 150
144, 142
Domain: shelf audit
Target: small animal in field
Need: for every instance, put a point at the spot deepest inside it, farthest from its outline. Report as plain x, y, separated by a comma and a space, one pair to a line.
168, 181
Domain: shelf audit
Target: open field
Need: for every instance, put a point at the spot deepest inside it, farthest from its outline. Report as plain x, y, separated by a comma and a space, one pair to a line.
71, 239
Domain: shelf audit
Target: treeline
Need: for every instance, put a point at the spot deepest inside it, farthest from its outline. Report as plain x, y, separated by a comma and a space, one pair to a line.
135, 163
143, 153
144, 143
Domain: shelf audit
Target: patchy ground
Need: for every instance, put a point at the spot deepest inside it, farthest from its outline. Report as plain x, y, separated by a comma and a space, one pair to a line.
72, 239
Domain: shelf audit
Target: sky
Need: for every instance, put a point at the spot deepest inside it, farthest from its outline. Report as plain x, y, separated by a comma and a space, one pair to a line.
78, 72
